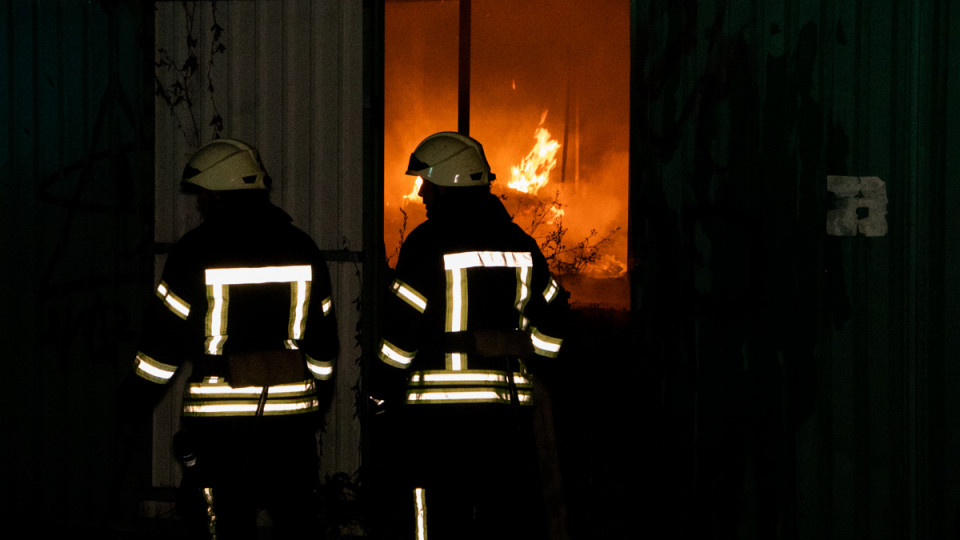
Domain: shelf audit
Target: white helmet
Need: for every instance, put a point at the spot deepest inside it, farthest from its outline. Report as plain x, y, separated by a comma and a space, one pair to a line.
226, 165
450, 159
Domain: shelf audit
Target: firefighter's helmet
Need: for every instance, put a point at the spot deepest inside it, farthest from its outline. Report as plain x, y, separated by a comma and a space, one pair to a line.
450, 159
226, 165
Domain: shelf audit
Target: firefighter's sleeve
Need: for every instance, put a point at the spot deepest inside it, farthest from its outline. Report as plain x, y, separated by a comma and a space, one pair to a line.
320, 342
546, 312
405, 302
173, 320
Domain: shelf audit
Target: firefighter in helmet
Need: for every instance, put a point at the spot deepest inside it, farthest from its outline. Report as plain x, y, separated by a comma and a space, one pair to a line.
246, 298
472, 314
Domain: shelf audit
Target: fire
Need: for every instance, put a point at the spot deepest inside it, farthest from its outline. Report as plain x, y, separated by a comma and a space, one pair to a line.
414, 195
534, 170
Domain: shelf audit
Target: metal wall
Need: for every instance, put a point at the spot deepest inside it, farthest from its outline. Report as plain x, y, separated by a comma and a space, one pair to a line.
803, 371
76, 149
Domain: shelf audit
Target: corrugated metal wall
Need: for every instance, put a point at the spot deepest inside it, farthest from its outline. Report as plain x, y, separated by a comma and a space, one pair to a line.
806, 377
76, 149
287, 77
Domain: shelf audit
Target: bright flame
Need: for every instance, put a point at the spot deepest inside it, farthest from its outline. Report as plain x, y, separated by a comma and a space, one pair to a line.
534, 170
414, 195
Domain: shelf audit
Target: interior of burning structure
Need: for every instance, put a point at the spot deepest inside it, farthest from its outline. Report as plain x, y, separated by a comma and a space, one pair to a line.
545, 87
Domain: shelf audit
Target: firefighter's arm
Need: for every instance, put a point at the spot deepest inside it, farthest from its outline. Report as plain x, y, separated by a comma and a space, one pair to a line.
320, 342
547, 312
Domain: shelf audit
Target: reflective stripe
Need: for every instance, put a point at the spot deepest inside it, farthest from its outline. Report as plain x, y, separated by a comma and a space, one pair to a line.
152, 370
468, 396
299, 295
420, 510
395, 356
213, 397
409, 295
524, 278
474, 386
455, 361
321, 369
477, 376
263, 274
551, 291
214, 344
545, 345
456, 320
250, 409
495, 259
173, 302
212, 386
219, 280
218, 299
327, 305
290, 344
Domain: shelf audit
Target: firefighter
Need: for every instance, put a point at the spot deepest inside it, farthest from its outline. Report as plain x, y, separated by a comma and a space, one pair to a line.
245, 297
472, 314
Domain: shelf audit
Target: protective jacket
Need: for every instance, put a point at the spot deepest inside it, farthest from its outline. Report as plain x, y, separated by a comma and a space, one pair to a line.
246, 297
468, 282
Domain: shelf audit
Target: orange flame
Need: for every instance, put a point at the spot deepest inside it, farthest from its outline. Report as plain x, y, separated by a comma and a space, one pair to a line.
414, 195
534, 170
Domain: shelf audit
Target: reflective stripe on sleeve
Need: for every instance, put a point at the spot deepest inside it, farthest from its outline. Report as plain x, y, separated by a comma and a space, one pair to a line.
174, 303
321, 369
152, 370
545, 345
551, 291
395, 356
409, 295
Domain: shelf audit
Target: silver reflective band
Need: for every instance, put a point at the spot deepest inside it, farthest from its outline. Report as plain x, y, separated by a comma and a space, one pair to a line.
210, 386
466, 396
498, 259
153, 370
409, 295
466, 377
265, 274
551, 292
420, 508
173, 302
219, 280
327, 305
544, 344
320, 369
249, 408
395, 355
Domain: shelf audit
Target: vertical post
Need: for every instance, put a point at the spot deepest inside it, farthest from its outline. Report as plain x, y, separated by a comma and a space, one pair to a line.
463, 102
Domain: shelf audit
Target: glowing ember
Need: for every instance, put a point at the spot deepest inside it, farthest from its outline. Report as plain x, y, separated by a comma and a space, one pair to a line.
534, 170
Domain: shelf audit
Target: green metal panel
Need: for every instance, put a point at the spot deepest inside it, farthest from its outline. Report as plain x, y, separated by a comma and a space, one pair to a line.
76, 223
806, 375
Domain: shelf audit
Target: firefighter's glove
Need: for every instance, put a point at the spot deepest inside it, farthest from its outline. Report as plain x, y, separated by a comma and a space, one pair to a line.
512, 343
